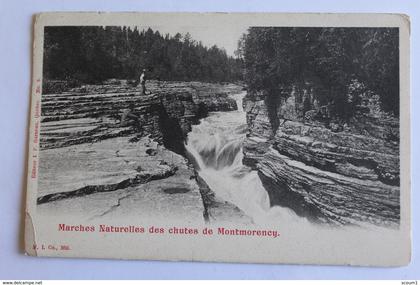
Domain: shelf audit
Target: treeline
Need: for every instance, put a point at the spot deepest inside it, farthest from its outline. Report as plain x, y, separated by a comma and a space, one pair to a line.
329, 60
91, 54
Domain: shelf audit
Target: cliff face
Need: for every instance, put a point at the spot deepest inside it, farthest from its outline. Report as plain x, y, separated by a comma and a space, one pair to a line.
335, 173
107, 150
93, 113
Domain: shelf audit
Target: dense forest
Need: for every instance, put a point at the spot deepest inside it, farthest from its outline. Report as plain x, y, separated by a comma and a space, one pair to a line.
91, 54
338, 64
329, 60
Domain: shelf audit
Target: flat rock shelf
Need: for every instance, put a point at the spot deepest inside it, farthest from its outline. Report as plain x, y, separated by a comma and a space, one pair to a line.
109, 151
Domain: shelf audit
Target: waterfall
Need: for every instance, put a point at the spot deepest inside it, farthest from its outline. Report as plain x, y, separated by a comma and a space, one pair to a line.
216, 148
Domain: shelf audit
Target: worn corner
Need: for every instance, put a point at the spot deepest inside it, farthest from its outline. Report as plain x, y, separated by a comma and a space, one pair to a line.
30, 236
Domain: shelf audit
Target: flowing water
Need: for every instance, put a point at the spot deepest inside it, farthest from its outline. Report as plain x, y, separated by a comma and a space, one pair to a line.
216, 146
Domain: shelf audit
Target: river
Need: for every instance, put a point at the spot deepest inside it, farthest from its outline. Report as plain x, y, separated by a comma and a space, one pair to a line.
216, 146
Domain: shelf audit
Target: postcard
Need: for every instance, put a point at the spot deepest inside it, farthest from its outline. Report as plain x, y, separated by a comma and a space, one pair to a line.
222, 137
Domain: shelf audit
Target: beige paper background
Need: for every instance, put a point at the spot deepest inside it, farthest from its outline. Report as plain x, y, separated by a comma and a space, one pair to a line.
309, 244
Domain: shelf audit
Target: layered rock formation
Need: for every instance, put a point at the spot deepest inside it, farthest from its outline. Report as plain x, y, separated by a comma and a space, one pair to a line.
109, 150
334, 173
95, 112
115, 178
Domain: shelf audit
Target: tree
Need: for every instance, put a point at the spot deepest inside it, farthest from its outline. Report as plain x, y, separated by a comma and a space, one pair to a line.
326, 60
91, 54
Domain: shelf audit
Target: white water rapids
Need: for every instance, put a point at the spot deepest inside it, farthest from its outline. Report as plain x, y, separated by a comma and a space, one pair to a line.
216, 146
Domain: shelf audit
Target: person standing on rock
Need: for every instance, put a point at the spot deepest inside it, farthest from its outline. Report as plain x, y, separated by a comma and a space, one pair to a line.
143, 81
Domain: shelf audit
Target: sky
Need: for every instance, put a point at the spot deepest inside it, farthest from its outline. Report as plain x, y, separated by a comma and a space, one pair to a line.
209, 35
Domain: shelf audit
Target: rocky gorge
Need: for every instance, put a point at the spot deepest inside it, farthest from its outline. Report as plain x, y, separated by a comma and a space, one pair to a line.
326, 171
108, 150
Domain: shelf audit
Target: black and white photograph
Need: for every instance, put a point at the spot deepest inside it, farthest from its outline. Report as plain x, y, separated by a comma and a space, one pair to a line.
249, 132
291, 122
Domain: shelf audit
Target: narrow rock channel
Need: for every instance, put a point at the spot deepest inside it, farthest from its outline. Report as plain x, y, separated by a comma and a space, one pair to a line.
96, 164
